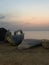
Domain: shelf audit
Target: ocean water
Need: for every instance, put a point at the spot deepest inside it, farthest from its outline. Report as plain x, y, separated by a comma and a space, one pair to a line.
36, 34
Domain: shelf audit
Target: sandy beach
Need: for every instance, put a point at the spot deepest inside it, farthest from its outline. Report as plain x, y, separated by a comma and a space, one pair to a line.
10, 55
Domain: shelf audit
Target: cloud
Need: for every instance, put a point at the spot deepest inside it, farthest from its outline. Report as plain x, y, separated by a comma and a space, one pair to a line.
2, 17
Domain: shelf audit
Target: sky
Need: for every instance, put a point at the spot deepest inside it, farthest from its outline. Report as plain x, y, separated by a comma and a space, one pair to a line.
26, 13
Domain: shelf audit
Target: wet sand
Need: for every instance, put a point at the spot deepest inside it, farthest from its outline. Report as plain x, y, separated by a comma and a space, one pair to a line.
10, 55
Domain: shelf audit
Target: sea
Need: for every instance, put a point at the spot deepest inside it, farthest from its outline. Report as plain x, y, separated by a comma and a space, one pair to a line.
36, 34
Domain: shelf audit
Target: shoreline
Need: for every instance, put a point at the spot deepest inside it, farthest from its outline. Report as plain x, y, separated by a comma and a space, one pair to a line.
10, 55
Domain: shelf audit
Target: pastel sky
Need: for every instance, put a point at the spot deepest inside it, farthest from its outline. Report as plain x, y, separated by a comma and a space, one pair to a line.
25, 12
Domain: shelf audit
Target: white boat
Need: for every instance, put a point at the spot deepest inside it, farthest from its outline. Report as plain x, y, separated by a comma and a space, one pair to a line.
27, 43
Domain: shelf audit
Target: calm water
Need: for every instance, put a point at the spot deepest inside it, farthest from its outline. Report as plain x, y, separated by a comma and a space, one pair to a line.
36, 34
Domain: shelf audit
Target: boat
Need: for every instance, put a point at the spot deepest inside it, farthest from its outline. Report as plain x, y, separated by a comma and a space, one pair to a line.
28, 43
15, 39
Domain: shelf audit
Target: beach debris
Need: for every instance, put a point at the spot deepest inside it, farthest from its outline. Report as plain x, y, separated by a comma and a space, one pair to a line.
15, 39
2, 33
45, 43
28, 43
